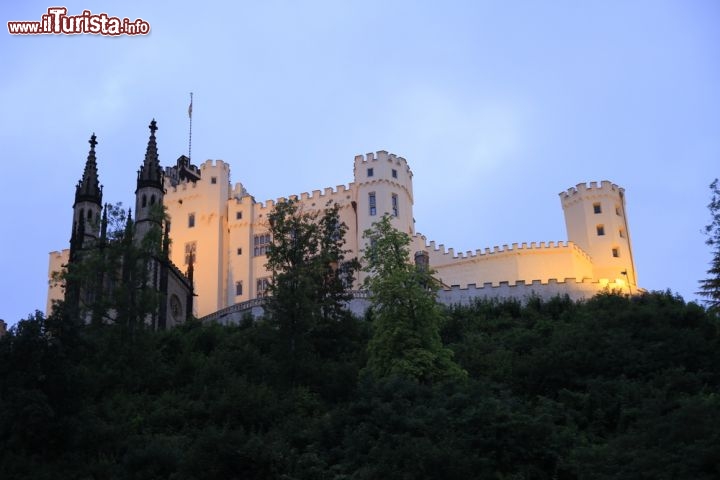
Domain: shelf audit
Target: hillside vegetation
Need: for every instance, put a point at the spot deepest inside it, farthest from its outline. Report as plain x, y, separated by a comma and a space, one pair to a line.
615, 387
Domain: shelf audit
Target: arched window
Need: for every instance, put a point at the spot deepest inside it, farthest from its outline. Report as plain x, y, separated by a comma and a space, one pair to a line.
89, 217
144, 201
152, 200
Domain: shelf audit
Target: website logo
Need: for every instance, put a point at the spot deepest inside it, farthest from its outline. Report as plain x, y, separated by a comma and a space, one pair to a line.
57, 22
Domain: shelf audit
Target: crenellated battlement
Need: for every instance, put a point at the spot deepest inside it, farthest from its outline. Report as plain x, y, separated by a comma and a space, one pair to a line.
210, 164
514, 248
576, 289
523, 283
321, 196
381, 156
183, 186
592, 188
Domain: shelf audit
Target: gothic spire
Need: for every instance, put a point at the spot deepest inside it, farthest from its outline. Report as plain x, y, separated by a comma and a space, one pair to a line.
88, 188
150, 173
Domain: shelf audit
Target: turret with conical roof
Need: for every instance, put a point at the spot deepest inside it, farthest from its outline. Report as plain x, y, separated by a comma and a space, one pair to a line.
149, 192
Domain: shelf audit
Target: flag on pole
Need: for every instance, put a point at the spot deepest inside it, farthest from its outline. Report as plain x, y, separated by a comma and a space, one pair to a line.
190, 107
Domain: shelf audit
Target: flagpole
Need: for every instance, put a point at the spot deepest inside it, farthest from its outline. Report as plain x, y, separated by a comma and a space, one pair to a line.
190, 134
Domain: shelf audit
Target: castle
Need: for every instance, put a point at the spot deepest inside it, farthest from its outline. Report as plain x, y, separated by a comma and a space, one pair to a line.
222, 230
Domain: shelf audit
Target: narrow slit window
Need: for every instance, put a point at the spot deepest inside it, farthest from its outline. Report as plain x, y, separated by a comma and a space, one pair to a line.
395, 207
372, 203
191, 220
190, 250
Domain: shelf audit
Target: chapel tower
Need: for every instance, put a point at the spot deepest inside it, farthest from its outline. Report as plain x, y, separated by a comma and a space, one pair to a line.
87, 205
150, 191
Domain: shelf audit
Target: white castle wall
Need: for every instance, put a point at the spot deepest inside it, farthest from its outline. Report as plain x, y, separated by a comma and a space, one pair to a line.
576, 290
535, 261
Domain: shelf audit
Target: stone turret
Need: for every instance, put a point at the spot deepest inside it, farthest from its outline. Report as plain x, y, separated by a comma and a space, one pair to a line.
596, 220
384, 186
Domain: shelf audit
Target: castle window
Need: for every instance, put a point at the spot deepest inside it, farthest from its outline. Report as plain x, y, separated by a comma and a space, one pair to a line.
394, 173
152, 200
597, 208
191, 220
89, 215
213, 180
238, 215
372, 203
238, 288
617, 210
144, 201
261, 244
615, 252
370, 172
262, 287
190, 249
621, 232
239, 251
395, 207
600, 230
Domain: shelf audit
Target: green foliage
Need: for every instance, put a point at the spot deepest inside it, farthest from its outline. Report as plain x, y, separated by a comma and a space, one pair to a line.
406, 317
710, 287
311, 279
614, 387
112, 278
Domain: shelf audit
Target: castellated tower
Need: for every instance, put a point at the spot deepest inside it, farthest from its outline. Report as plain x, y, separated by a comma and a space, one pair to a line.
383, 186
596, 220
149, 192
196, 201
88, 204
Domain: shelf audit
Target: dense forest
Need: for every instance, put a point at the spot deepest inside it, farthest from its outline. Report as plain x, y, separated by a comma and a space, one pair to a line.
612, 387
615, 387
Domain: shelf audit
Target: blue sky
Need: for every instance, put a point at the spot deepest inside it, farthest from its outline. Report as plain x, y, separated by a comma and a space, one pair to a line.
497, 106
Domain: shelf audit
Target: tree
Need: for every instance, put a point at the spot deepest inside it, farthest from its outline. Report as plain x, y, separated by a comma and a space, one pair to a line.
310, 276
111, 280
710, 287
406, 317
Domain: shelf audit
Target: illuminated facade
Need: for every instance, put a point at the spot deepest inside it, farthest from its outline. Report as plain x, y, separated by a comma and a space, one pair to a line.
224, 232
